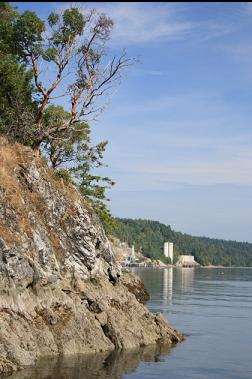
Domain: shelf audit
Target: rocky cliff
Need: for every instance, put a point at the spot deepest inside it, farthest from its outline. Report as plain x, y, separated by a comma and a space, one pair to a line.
61, 289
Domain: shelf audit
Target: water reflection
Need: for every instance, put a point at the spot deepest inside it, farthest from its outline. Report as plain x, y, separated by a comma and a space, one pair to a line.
186, 277
182, 278
103, 365
167, 286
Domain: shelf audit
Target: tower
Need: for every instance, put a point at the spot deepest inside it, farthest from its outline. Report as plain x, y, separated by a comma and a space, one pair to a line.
133, 253
168, 250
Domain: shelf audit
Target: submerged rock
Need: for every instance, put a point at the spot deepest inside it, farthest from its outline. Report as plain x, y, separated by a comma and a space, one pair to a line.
61, 289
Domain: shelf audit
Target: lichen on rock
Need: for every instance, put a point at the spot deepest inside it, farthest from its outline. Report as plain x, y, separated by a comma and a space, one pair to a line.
61, 288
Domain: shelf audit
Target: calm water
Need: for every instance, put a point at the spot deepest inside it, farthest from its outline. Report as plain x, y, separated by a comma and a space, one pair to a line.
212, 306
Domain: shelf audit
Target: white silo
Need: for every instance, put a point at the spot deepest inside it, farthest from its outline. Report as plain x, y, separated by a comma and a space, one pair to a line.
133, 253
166, 249
170, 251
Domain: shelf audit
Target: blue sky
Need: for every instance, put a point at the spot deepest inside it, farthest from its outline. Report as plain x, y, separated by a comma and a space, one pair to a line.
180, 124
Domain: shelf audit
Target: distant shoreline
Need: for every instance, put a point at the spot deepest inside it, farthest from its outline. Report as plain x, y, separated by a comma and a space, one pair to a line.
226, 266
197, 267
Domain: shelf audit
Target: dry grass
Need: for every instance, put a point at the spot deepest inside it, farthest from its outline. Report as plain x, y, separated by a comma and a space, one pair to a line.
10, 157
55, 241
13, 194
8, 236
16, 196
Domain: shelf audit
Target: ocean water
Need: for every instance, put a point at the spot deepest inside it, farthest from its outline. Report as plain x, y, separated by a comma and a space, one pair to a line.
212, 307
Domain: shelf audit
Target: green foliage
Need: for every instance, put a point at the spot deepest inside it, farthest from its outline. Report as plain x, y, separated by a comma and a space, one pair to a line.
53, 19
72, 143
72, 46
17, 109
149, 236
93, 187
104, 214
166, 260
74, 148
28, 29
64, 174
27, 112
66, 28
7, 16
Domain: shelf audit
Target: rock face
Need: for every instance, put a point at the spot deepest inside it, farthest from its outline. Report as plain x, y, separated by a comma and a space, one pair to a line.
61, 289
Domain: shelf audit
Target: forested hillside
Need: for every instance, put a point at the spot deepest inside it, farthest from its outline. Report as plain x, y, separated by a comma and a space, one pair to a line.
149, 236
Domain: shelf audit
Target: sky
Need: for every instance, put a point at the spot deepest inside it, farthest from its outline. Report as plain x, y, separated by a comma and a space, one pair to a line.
180, 124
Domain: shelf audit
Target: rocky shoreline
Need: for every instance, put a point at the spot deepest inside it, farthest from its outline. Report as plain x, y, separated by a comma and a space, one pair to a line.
62, 291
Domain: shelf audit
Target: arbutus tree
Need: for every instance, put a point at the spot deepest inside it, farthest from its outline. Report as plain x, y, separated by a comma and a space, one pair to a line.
53, 76
74, 45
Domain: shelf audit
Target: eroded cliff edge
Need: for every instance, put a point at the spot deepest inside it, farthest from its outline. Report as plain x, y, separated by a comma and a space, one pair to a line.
61, 289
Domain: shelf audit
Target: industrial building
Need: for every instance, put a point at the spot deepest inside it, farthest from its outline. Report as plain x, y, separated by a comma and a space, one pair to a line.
168, 250
186, 261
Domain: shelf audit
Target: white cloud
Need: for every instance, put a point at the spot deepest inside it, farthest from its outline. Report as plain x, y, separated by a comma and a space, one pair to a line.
200, 172
137, 22
149, 22
190, 160
152, 22
197, 138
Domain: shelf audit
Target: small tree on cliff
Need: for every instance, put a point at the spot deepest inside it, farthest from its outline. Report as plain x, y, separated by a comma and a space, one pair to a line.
74, 148
72, 48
